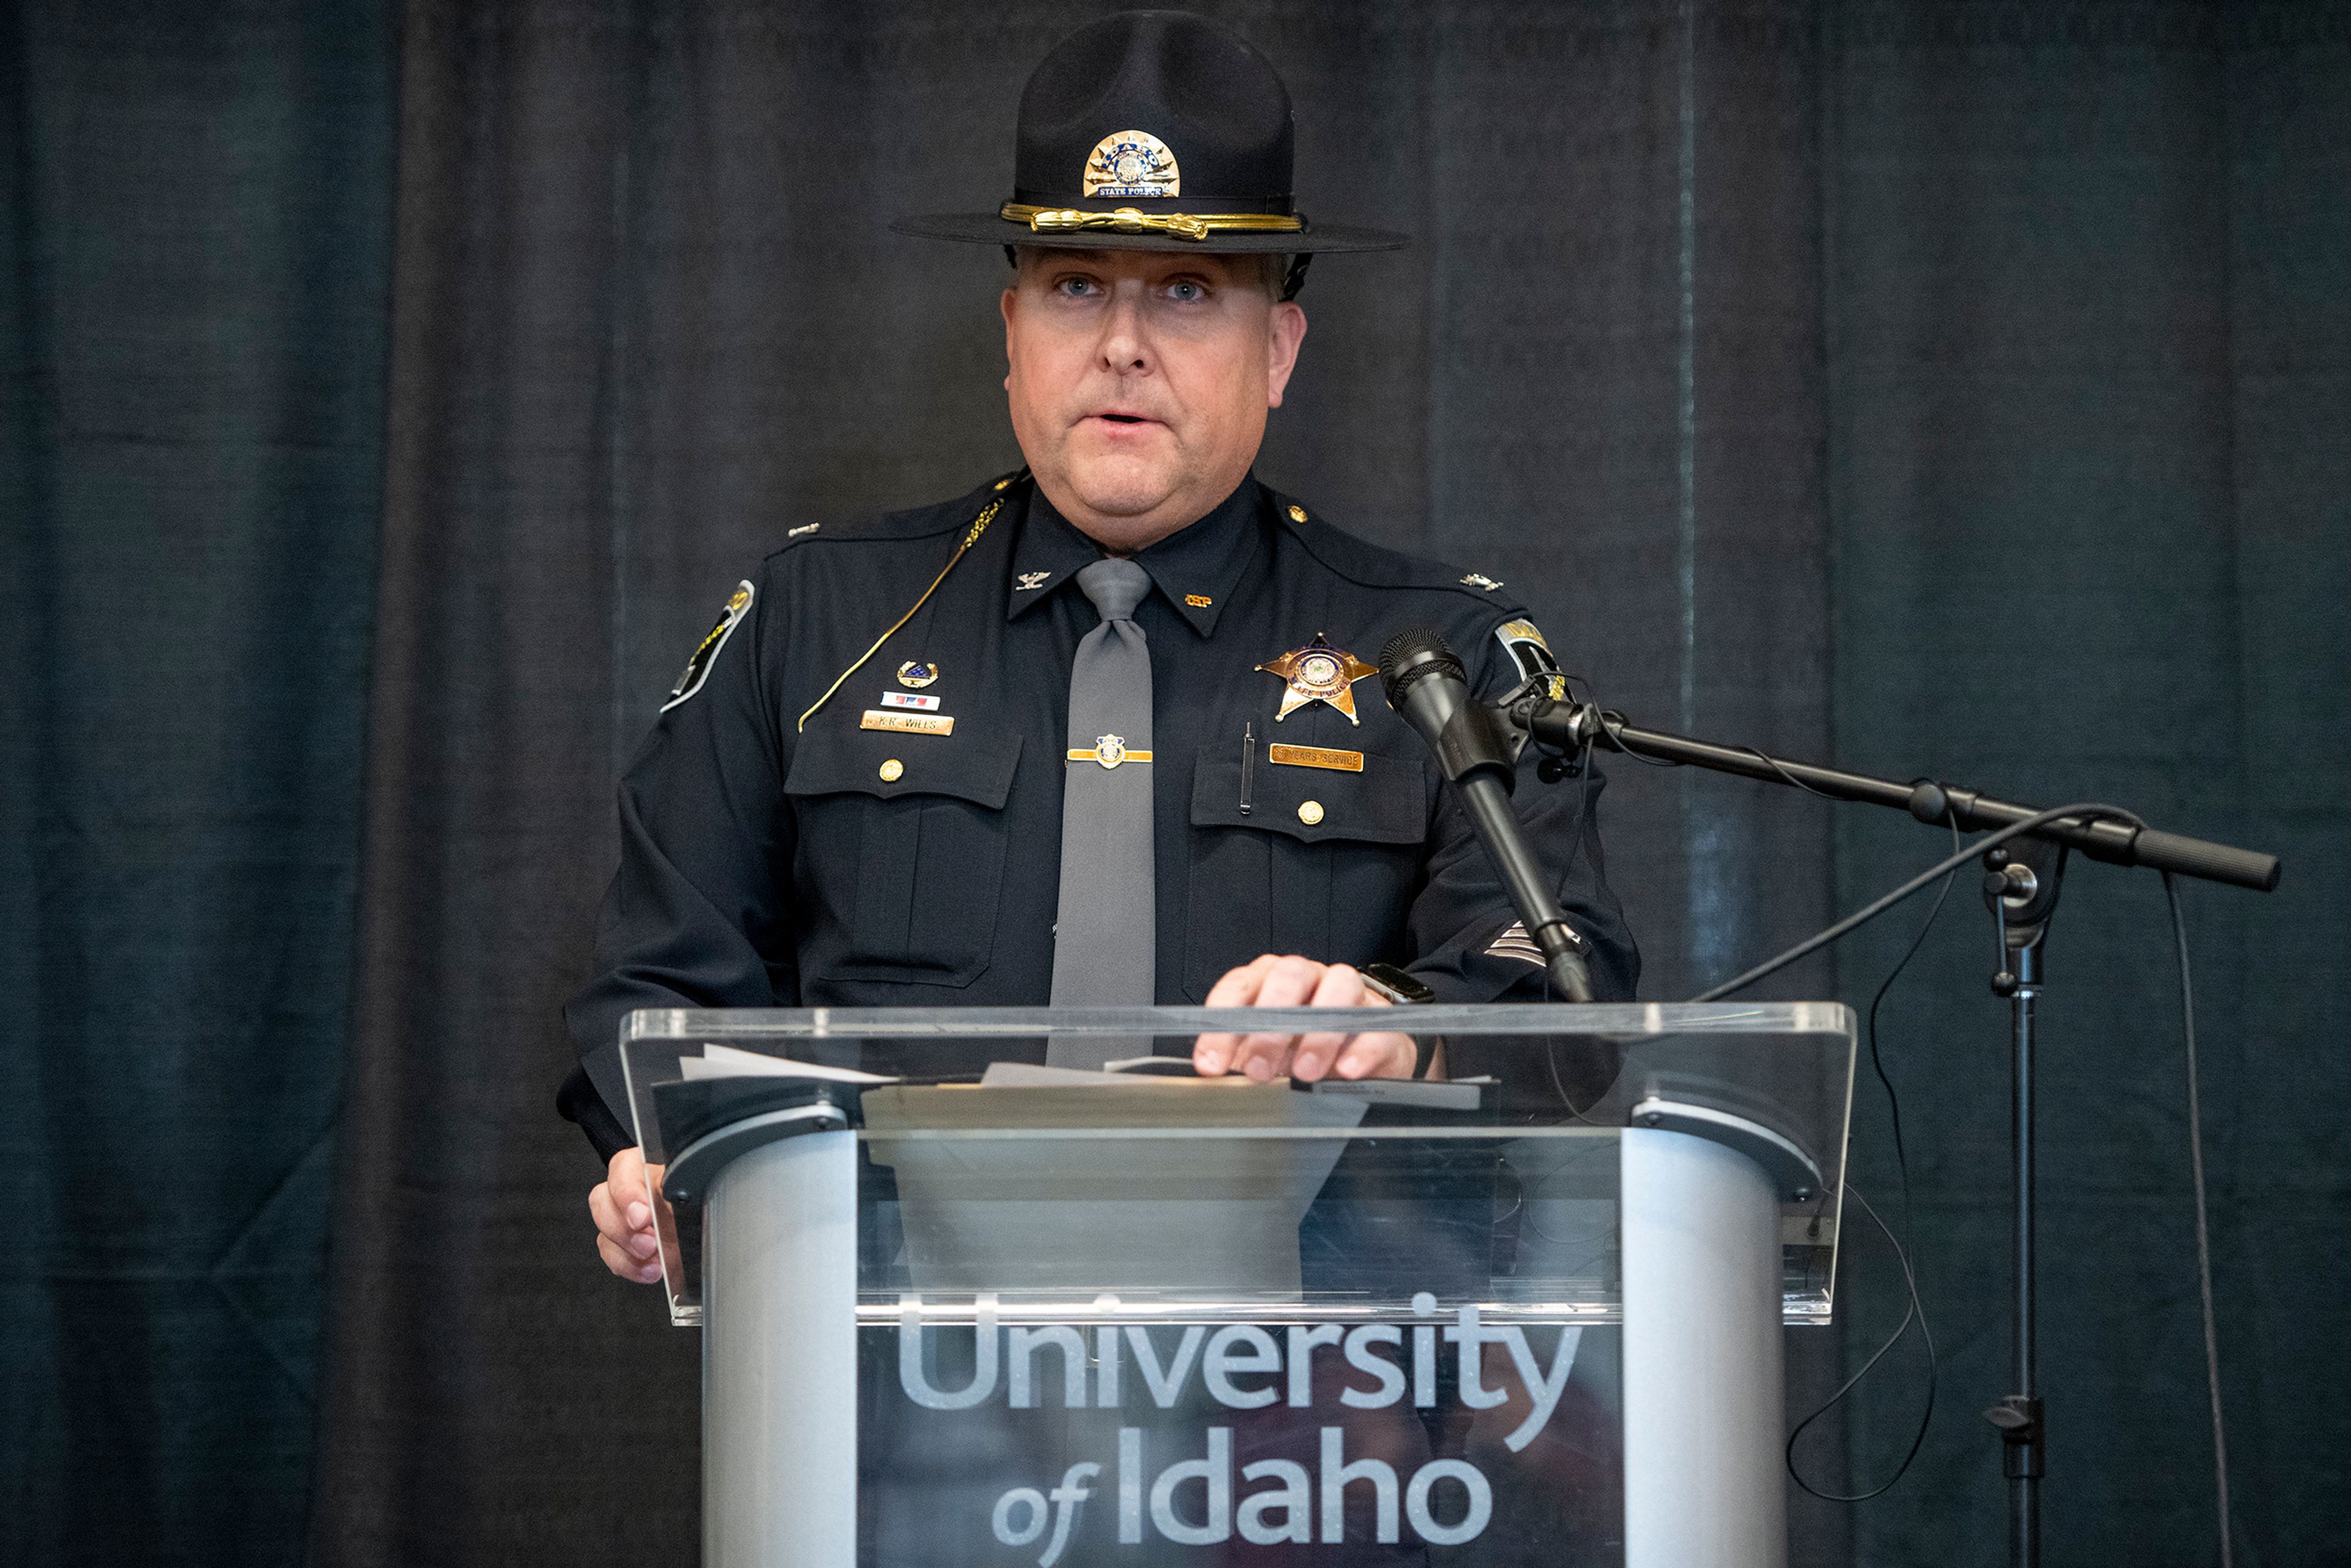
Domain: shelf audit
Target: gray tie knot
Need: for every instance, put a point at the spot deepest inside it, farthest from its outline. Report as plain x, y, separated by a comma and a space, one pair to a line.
1115, 587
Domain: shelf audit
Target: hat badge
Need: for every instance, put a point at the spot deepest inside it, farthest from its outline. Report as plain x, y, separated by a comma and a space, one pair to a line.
1129, 164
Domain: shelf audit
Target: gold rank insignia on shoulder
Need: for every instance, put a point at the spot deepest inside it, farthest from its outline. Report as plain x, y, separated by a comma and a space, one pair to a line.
1129, 164
917, 672
1318, 673
1479, 579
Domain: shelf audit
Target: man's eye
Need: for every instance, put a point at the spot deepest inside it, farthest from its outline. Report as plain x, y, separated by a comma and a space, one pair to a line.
1187, 291
1074, 287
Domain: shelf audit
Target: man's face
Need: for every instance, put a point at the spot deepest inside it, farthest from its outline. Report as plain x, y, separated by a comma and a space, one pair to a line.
1140, 382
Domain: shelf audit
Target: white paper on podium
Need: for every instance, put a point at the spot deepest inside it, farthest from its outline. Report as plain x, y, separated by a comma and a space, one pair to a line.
1109, 1195
726, 1061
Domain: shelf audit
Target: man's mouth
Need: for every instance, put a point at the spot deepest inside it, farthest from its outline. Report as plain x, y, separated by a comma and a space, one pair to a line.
1120, 416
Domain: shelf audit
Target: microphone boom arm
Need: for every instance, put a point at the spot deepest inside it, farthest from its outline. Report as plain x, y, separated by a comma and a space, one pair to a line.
1570, 725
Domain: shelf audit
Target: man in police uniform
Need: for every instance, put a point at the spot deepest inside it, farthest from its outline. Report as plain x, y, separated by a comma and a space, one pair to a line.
1098, 732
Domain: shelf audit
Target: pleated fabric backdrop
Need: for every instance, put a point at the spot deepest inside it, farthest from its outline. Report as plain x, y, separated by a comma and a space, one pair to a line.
194, 208
2090, 366
1953, 388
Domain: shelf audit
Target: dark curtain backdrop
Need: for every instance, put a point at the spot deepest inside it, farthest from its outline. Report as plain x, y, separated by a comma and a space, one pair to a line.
2090, 388
193, 201
1944, 388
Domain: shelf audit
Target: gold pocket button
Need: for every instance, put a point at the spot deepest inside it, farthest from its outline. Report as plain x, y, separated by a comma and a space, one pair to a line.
893, 770
1309, 811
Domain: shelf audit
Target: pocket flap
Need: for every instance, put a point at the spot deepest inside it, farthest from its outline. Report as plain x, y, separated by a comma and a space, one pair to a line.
1386, 803
975, 766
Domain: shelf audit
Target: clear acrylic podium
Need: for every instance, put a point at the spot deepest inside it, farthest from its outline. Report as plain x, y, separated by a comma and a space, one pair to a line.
961, 1308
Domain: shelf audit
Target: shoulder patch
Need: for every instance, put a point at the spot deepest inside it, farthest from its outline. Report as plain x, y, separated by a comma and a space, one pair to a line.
697, 668
1524, 642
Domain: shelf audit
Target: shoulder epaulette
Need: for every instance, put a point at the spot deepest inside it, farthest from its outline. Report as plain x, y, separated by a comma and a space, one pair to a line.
1376, 566
915, 523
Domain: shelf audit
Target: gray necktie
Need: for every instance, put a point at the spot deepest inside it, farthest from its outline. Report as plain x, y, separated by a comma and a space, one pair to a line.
1105, 946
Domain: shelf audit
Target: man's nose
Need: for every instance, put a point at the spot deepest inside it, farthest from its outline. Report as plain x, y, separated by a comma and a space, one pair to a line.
1125, 343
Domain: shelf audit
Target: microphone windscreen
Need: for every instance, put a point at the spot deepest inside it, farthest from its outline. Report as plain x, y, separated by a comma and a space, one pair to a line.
1411, 653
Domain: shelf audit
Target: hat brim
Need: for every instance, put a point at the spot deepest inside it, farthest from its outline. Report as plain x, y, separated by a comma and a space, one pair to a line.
987, 228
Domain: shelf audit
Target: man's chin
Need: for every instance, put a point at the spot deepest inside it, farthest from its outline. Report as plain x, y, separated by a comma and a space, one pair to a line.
1122, 489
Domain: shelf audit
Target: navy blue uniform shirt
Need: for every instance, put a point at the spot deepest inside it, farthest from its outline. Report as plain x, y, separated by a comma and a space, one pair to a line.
765, 862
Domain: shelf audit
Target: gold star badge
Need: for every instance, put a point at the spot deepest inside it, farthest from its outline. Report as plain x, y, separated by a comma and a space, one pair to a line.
1318, 673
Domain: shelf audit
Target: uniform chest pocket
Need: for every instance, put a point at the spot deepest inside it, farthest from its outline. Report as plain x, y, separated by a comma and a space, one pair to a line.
900, 852
1324, 862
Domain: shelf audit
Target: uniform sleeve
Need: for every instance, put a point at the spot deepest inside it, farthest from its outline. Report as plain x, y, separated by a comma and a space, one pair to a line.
698, 914
1463, 908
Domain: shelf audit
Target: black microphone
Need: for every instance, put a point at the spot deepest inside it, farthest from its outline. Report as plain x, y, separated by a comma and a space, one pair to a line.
1426, 685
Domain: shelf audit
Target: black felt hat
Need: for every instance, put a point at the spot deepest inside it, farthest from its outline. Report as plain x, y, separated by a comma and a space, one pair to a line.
1153, 131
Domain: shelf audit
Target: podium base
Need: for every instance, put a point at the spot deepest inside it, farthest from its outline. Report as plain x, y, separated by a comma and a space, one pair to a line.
1702, 1356
779, 1357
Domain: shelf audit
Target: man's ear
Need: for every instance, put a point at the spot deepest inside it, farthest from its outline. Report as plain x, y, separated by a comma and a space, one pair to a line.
1009, 304
1285, 330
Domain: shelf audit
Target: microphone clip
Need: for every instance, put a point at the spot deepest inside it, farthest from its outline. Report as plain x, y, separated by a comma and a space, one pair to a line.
1471, 743
1560, 732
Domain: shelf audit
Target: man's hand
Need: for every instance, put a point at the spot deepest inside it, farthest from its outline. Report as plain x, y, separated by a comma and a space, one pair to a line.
625, 1237
1294, 982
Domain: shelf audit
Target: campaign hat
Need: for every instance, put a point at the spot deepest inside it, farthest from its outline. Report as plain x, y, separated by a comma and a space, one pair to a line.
1154, 130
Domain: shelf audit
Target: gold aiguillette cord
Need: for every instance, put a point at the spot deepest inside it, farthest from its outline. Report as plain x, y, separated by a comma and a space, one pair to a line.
978, 526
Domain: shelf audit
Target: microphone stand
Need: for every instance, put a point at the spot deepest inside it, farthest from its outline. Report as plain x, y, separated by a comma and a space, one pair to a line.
2020, 884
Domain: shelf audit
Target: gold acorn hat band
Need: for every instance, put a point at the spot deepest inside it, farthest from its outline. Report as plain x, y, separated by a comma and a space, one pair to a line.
1132, 220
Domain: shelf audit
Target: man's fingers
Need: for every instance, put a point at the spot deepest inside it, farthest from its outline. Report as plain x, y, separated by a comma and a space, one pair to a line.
611, 1224
1275, 982
632, 1268
606, 1212
1212, 1054
1288, 983
1378, 1056
625, 1219
632, 1187
1339, 986
1239, 986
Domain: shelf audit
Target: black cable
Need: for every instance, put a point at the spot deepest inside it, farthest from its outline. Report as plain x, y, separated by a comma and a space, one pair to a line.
2203, 1232
1583, 826
1927, 1336
1902, 1167
1869, 913
1767, 760
1614, 724
1877, 1061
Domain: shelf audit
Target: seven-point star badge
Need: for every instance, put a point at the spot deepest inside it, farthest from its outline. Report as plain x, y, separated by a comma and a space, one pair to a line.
1318, 673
